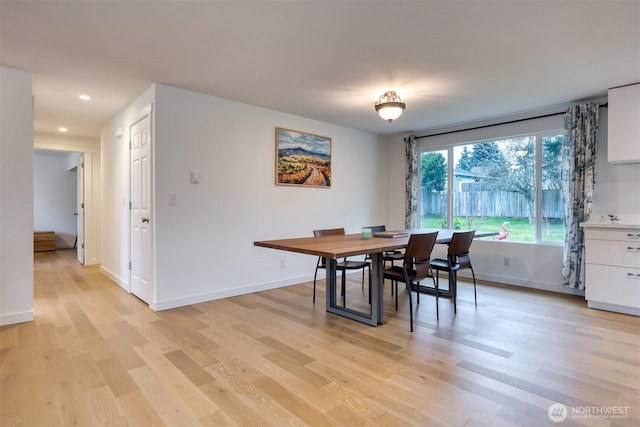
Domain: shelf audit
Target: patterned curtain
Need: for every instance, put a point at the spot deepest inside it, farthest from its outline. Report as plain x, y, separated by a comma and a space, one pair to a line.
578, 179
411, 219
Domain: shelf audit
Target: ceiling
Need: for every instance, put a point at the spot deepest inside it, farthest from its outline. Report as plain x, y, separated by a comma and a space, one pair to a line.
450, 61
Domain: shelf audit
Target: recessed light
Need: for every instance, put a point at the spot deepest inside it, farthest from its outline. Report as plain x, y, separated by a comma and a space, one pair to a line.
62, 129
84, 97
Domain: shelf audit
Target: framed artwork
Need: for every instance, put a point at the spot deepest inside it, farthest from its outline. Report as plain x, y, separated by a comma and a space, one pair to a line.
302, 159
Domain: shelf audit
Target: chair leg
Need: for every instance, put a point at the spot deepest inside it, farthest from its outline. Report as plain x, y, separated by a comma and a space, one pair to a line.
344, 286
454, 289
475, 296
418, 291
395, 283
437, 291
314, 285
410, 308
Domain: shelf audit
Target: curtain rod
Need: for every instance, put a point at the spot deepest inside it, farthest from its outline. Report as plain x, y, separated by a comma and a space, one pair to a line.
499, 124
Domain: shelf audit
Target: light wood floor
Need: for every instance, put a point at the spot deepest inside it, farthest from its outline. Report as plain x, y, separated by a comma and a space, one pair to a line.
95, 355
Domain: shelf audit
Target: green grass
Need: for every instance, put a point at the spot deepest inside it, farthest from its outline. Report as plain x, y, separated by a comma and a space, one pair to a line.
520, 230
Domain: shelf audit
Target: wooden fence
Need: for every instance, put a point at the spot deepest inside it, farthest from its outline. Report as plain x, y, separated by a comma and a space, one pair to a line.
504, 204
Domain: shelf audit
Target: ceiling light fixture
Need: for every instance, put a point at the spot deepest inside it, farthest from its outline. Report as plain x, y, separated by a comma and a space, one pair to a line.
390, 106
84, 97
62, 129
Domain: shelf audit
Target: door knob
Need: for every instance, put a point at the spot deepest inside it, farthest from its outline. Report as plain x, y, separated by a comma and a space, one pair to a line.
145, 219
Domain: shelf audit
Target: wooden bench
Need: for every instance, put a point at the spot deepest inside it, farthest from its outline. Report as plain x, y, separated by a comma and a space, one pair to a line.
44, 241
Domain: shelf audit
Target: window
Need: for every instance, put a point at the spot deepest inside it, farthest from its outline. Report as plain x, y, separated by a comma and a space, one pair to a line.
434, 172
509, 185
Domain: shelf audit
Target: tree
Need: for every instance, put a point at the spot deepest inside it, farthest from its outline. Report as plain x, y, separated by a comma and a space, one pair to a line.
520, 153
551, 164
465, 162
489, 164
434, 171
487, 153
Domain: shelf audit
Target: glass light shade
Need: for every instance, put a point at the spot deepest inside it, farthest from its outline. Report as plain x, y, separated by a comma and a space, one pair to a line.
390, 106
389, 113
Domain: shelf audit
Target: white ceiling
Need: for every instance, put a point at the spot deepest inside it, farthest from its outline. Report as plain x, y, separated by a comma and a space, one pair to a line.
450, 61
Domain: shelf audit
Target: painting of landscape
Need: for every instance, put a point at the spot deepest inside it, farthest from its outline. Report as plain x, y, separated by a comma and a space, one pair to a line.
302, 159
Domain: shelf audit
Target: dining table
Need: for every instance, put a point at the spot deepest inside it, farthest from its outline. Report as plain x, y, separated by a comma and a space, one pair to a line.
336, 247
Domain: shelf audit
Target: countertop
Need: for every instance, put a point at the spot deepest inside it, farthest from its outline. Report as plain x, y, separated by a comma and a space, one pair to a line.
608, 224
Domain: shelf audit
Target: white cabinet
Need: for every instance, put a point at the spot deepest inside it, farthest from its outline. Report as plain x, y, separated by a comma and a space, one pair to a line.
612, 278
623, 140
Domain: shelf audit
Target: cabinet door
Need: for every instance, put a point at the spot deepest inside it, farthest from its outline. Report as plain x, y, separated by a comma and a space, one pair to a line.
623, 142
613, 285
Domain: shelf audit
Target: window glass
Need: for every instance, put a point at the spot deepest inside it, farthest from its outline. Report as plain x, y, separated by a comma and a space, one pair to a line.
551, 206
434, 182
497, 185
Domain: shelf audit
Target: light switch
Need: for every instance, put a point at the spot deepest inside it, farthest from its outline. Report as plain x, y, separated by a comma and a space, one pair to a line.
195, 177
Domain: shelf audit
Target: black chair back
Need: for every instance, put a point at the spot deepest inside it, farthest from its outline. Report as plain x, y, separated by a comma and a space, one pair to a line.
418, 253
329, 232
459, 247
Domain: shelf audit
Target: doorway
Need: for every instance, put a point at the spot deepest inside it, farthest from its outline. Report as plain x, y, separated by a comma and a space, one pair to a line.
59, 198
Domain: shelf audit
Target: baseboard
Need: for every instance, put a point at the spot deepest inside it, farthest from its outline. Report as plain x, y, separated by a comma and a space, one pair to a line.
225, 293
120, 282
13, 318
633, 311
167, 304
514, 281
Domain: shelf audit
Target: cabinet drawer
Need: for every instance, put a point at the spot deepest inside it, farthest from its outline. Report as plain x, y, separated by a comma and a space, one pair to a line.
46, 245
44, 241
627, 235
621, 254
43, 236
613, 285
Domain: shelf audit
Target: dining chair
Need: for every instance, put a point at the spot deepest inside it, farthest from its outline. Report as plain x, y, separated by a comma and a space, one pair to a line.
458, 258
375, 229
342, 266
387, 256
415, 267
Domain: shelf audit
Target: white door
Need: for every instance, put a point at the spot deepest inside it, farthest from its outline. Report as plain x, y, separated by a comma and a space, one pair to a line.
80, 210
141, 244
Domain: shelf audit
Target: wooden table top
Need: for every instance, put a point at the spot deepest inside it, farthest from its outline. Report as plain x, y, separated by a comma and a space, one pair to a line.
339, 246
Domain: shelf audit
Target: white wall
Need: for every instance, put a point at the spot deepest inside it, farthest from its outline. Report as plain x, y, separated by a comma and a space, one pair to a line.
532, 265
90, 148
55, 196
16, 196
204, 244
